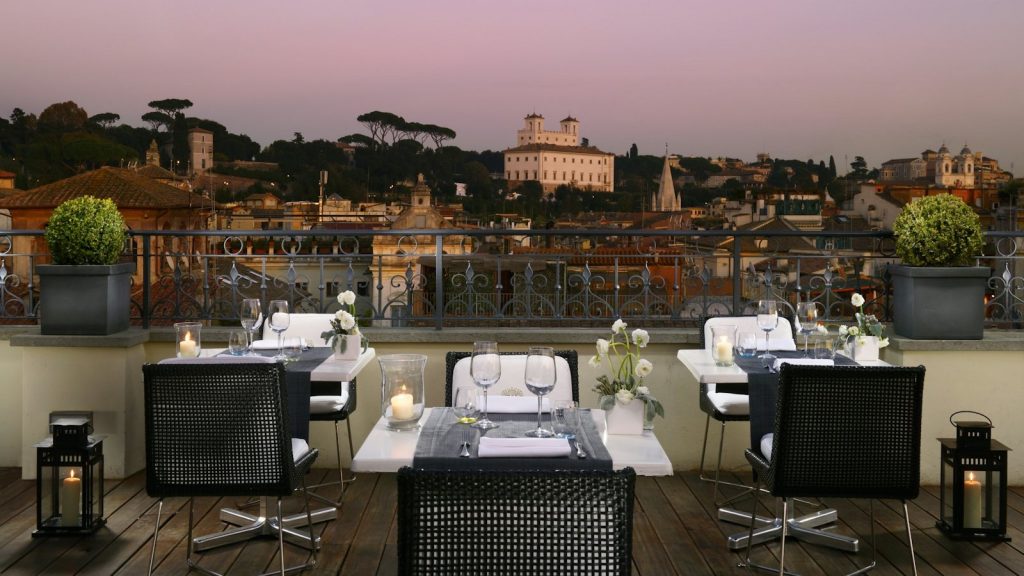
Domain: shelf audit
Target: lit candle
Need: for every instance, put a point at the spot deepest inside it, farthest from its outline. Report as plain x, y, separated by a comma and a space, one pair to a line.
972, 502
723, 350
187, 347
70, 500
401, 405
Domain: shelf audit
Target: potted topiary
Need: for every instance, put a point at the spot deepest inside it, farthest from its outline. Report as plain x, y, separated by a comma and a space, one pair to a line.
939, 291
85, 290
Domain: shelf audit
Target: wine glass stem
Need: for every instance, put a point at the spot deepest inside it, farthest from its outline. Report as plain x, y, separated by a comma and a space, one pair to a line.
280, 343
540, 401
485, 404
766, 348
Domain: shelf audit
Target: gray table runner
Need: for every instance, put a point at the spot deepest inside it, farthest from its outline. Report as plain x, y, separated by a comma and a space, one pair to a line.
442, 435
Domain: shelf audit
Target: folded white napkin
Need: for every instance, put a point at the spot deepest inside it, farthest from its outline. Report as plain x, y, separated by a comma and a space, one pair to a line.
804, 362
523, 447
271, 343
515, 404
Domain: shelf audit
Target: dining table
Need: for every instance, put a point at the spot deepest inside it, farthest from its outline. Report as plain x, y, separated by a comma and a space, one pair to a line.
761, 380
316, 364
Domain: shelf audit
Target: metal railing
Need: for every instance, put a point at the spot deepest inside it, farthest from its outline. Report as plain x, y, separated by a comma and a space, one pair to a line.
490, 277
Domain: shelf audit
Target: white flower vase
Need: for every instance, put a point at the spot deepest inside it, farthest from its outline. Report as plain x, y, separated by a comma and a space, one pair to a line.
626, 418
348, 347
865, 349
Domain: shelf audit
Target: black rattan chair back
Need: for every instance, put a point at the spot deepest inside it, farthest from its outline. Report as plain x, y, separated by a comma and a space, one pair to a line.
515, 522
847, 431
217, 430
452, 358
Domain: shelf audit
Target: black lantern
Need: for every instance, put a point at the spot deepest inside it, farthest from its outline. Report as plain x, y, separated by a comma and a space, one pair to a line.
69, 478
972, 482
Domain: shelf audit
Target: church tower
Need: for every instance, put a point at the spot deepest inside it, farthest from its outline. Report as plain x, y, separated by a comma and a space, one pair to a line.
666, 200
153, 154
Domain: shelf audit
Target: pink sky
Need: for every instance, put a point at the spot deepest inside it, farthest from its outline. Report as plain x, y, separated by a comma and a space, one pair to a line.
796, 78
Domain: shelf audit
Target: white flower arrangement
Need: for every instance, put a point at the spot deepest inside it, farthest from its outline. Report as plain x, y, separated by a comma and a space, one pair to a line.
867, 324
344, 322
626, 370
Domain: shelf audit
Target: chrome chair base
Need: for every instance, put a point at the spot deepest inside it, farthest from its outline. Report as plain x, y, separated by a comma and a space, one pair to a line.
802, 528
249, 526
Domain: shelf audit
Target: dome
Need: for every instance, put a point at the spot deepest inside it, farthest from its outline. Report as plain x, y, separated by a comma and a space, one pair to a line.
943, 149
965, 151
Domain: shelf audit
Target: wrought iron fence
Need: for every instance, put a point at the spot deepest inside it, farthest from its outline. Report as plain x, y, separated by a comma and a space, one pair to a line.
507, 277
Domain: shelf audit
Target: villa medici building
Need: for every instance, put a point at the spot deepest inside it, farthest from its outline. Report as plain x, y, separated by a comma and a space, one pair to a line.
556, 158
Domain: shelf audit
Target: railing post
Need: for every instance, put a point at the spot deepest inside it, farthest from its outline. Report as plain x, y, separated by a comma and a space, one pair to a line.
146, 252
438, 282
737, 284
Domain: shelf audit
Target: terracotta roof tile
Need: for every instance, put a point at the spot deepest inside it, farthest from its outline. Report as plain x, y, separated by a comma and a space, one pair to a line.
125, 187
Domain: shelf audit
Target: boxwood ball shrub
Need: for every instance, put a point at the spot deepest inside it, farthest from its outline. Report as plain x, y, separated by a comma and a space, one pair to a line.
86, 230
940, 230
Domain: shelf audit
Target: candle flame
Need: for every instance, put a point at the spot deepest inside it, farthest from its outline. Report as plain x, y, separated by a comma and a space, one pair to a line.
72, 473
970, 476
188, 336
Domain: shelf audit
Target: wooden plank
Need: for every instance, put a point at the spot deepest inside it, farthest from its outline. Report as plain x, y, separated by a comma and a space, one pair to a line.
649, 556
338, 535
371, 536
681, 551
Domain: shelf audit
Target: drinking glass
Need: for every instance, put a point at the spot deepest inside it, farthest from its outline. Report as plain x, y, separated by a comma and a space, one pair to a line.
465, 405
746, 344
485, 368
806, 320
767, 319
565, 419
250, 316
292, 349
540, 379
238, 342
277, 313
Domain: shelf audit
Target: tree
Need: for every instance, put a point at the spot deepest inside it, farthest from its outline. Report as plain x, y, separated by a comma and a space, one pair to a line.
105, 120
831, 167
170, 106
157, 119
633, 152
859, 168
439, 134
382, 125
298, 138
63, 117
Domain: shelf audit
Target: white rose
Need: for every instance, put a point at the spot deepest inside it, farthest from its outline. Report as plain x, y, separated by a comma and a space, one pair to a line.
346, 320
641, 337
643, 368
595, 362
844, 330
618, 326
883, 342
347, 298
602, 347
642, 391
857, 300
853, 331
624, 396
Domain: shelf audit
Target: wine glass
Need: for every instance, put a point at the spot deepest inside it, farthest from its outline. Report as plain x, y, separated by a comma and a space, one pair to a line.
485, 368
806, 320
767, 319
277, 313
465, 405
540, 379
250, 317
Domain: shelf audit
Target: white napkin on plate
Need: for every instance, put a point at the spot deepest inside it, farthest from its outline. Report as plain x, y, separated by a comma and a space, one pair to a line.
523, 447
513, 404
804, 362
271, 343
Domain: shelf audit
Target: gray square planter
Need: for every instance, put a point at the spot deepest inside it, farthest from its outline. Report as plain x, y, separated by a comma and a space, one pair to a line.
939, 303
84, 300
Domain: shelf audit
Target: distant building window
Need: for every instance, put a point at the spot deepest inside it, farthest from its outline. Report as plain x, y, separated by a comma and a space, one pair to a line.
534, 174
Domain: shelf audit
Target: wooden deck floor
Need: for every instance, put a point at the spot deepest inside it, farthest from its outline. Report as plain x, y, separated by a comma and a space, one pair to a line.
675, 532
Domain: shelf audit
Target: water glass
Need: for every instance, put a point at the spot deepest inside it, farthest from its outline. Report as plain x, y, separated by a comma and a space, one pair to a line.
464, 405
292, 349
746, 344
565, 419
238, 342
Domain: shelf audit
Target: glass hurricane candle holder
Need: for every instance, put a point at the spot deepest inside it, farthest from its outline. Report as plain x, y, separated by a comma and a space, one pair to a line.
402, 390
187, 340
723, 340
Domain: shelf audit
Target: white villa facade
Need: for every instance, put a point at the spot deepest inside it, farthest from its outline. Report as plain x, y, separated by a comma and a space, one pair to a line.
556, 158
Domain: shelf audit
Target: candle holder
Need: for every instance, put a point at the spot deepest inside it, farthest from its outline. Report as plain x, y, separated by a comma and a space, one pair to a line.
402, 396
188, 339
972, 482
723, 341
69, 479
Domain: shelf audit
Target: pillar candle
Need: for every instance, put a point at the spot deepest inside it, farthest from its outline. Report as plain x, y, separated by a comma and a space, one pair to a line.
972, 502
187, 347
70, 500
401, 405
723, 350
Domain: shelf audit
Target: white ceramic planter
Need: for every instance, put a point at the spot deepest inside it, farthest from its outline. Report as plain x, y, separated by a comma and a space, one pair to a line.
348, 347
626, 418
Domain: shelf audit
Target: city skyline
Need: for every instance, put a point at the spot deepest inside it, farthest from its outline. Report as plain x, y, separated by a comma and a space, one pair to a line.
797, 79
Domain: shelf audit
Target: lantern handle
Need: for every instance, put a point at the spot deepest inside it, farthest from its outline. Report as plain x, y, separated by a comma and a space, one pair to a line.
968, 412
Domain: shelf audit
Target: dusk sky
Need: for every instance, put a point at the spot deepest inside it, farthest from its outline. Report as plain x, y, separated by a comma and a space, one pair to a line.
795, 78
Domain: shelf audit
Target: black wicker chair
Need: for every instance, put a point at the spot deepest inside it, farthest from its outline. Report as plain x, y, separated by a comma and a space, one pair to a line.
570, 356
844, 432
724, 403
310, 326
220, 430
515, 522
